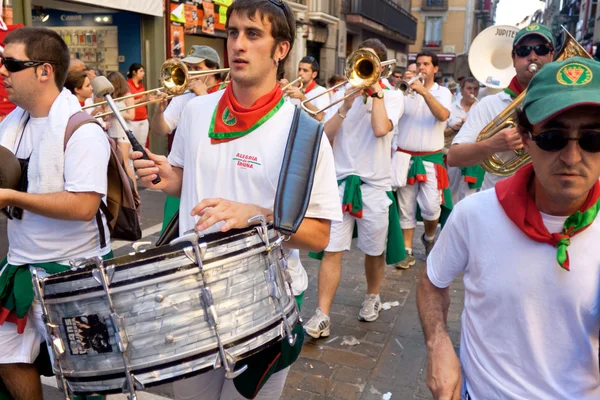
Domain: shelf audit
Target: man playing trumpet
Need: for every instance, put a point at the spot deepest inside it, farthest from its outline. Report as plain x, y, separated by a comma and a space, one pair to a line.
533, 45
308, 70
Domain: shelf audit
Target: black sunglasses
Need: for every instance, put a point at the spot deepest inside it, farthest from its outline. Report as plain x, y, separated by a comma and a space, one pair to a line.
554, 140
14, 65
281, 4
539, 49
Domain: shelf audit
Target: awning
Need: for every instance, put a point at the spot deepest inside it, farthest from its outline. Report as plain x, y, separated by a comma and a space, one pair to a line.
441, 56
149, 7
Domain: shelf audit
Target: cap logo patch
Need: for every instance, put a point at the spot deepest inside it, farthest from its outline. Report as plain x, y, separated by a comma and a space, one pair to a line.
532, 28
190, 52
574, 74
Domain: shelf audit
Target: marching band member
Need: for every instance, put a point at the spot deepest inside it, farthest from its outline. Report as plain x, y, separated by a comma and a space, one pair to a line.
418, 161
139, 125
226, 172
528, 251
308, 69
411, 72
395, 78
461, 183
361, 132
64, 189
532, 45
167, 113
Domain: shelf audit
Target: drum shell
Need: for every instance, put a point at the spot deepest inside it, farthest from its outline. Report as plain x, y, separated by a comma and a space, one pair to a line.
157, 294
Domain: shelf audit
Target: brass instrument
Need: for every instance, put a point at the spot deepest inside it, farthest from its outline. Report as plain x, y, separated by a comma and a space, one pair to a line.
297, 81
474, 98
363, 69
507, 163
174, 78
404, 86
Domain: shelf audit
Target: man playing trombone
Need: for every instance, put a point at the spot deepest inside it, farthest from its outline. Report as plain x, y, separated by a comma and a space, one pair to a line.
308, 70
362, 128
418, 161
533, 45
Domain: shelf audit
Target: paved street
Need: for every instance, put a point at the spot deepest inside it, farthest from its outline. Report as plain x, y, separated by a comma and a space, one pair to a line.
390, 358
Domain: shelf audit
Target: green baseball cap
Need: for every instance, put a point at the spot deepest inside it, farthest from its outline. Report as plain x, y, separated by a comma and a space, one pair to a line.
534, 29
562, 85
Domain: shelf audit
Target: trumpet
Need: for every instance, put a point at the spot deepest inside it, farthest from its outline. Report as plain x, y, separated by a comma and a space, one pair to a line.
363, 69
174, 78
404, 86
474, 98
297, 81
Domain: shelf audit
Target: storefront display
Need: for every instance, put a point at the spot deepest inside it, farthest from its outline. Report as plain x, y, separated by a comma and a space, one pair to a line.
95, 47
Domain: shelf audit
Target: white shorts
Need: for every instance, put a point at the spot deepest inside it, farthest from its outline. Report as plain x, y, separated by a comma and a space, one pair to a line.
426, 194
213, 386
458, 186
25, 347
140, 130
372, 227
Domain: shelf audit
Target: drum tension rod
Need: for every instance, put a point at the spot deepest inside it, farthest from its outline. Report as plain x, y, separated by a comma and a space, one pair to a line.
104, 276
210, 310
271, 272
57, 346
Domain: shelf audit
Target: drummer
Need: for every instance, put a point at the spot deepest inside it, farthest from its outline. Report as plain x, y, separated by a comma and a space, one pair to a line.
227, 172
53, 215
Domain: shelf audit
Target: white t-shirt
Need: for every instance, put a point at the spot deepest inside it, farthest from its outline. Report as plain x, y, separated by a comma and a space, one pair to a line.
115, 130
175, 108
246, 169
529, 327
356, 150
418, 129
457, 113
481, 114
319, 103
35, 238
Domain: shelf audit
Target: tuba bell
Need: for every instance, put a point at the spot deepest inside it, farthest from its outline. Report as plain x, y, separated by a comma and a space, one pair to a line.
507, 163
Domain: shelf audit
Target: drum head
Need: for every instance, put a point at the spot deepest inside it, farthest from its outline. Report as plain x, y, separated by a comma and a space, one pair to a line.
10, 169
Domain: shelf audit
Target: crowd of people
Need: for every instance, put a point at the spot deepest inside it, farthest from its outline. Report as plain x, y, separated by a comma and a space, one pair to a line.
388, 159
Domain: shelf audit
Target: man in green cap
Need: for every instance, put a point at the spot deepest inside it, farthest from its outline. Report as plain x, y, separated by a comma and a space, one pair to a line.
533, 47
529, 254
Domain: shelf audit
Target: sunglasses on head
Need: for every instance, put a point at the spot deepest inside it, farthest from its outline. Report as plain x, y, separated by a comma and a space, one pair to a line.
539, 49
14, 65
554, 140
280, 4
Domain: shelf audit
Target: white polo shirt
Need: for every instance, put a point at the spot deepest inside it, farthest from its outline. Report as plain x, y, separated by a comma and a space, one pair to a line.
356, 149
246, 170
529, 327
481, 114
418, 128
319, 103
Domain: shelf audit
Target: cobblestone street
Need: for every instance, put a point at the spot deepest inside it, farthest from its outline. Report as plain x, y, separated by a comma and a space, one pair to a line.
391, 356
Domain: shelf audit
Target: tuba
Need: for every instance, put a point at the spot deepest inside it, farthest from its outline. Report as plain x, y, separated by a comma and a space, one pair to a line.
507, 163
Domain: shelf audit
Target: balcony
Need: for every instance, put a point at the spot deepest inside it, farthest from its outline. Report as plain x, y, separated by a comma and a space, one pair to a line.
326, 11
434, 5
385, 13
432, 44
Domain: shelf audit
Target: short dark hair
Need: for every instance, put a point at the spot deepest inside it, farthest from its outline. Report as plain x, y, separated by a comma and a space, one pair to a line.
314, 65
470, 79
523, 124
133, 68
278, 13
335, 79
376, 45
397, 70
75, 80
44, 44
434, 58
119, 83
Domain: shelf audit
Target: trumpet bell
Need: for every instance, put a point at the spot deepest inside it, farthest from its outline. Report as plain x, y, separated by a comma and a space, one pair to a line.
174, 76
490, 56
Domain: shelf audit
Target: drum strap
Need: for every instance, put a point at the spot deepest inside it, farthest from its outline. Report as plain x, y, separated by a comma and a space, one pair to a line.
297, 172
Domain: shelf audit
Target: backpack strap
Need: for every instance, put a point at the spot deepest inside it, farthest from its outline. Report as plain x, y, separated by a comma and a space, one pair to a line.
297, 172
75, 122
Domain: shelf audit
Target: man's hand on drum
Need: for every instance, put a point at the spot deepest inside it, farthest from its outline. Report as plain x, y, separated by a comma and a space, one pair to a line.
4, 201
235, 215
147, 170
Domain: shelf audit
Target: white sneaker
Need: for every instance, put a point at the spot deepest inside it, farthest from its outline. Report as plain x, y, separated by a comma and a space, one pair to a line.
318, 326
370, 308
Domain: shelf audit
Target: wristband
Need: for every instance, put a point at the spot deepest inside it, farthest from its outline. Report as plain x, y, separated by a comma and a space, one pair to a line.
341, 115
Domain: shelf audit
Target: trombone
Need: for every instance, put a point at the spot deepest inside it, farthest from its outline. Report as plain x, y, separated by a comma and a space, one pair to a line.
174, 78
363, 69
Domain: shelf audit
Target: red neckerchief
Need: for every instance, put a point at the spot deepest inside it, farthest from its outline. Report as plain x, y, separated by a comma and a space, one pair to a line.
310, 86
232, 121
218, 86
520, 207
514, 88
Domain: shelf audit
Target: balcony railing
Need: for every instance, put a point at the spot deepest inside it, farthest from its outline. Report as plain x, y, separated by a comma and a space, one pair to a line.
385, 12
432, 5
